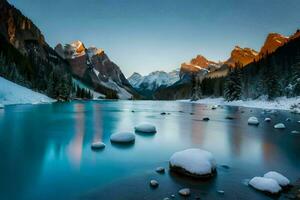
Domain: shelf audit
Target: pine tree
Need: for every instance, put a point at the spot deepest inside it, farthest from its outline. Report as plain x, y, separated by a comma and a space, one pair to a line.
233, 84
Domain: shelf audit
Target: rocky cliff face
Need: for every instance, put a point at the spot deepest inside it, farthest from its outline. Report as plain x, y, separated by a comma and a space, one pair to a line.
242, 56
272, 42
37, 63
93, 67
199, 64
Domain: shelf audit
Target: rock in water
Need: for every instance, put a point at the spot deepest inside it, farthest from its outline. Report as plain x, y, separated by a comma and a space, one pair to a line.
193, 162
295, 132
1, 106
160, 170
122, 137
281, 180
205, 119
221, 192
265, 184
253, 121
214, 107
279, 126
185, 192
98, 145
145, 128
267, 119
154, 183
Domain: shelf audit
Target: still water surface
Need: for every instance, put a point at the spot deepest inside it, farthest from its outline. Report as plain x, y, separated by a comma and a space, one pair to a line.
45, 150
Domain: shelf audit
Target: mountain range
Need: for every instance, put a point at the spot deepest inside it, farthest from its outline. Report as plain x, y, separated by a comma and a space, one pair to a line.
210, 71
147, 85
63, 73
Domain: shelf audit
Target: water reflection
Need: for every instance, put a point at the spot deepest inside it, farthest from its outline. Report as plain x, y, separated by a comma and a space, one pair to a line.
75, 147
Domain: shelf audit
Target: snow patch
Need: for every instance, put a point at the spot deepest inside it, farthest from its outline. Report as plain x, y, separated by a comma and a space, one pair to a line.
11, 93
281, 103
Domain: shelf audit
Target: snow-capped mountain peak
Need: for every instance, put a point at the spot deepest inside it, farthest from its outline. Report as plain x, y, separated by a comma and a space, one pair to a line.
153, 80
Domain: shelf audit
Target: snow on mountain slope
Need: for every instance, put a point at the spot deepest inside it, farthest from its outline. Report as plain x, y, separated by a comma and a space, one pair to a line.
11, 93
154, 80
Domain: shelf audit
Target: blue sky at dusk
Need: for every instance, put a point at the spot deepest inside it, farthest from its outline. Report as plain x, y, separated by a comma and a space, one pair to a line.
143, 36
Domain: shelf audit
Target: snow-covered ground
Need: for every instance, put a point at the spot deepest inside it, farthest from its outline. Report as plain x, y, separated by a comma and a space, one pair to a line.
11, 93
281, 103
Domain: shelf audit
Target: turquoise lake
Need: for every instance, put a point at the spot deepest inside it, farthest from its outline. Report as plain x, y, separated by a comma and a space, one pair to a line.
46, 150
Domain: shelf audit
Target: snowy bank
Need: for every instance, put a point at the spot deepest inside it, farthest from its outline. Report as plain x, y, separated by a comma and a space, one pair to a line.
11, 93
281, 103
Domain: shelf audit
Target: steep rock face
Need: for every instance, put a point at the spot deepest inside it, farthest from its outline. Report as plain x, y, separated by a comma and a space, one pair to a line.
242, 56
272, 42
30, 61
149, 84
197, 65
93, 67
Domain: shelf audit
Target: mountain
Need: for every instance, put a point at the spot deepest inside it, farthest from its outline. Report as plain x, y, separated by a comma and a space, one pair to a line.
273, 75
27, 59
272, 42
280, 61
242, 56
147, 85
196, 65
93, 67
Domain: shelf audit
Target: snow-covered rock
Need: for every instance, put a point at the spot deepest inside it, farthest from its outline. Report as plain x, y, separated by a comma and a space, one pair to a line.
185, 192
145, 128
279, 126
253, 121
98, 145
11, 93
193, 162
160, 170
281, 180
154, 183
295, 132
124, 137
265, 184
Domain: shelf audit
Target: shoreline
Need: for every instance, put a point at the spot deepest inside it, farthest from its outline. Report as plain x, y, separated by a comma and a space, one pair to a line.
280, 103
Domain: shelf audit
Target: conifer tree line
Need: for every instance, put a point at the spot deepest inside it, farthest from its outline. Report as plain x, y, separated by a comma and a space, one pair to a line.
274, 75
82, 93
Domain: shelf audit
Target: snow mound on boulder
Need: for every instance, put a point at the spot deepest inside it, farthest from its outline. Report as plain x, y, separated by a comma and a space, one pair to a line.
98, 145
279, 126
193, 162
253, 121
124, 137
145, 128
281, 180
265, 184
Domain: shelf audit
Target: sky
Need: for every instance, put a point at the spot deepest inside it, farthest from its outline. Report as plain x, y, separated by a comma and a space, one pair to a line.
148, 35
